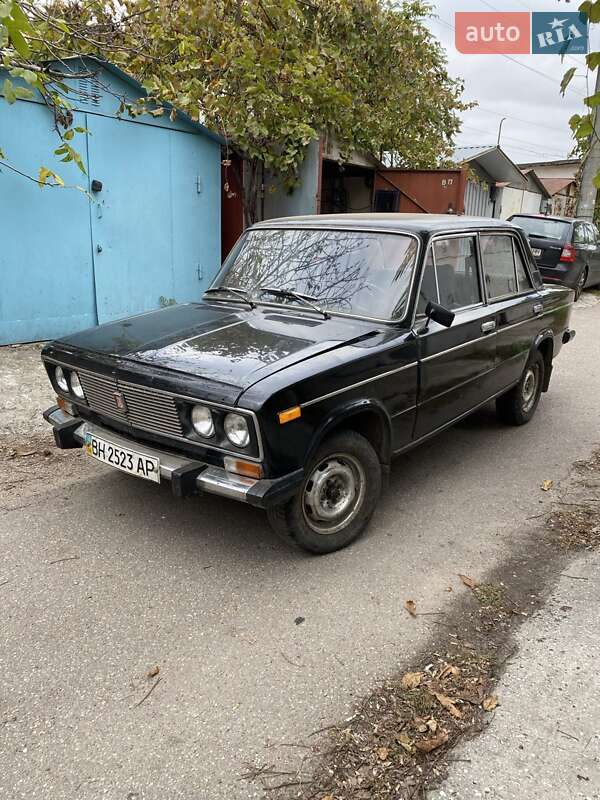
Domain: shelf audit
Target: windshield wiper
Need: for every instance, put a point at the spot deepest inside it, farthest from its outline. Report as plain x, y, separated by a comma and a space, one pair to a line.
291, 295
241, 293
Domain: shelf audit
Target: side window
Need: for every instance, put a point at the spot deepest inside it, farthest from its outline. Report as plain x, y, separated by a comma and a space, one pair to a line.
592, 233
428, 285
498, 265
579, 233
523, 281
456, 269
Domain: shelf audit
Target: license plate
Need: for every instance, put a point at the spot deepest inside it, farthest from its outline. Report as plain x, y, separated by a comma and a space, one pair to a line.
121, 458
536, 251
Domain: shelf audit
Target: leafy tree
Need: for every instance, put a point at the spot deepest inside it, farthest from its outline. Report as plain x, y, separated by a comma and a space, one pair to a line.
270, 75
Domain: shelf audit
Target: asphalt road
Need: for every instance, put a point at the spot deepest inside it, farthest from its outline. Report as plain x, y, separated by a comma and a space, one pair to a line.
205, 591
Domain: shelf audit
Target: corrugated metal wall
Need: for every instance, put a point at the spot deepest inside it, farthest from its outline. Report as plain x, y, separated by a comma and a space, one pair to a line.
477, 200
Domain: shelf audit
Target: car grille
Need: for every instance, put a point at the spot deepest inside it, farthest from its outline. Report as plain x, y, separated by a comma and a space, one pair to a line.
147, 409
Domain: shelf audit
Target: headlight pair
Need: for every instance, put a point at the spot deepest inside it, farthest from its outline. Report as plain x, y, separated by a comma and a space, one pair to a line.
69, 382
235, 425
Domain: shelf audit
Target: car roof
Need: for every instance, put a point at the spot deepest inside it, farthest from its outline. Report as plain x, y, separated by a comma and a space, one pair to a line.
550, 217
411, 223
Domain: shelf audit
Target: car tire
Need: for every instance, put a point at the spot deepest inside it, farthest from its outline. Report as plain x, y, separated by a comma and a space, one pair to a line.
337, 498
581, 283
518, 405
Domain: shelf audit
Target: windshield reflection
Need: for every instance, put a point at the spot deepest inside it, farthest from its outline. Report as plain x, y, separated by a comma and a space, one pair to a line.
355, 272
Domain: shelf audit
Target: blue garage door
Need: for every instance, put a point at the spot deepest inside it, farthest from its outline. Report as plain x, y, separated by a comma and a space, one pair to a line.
151, 219
46, 269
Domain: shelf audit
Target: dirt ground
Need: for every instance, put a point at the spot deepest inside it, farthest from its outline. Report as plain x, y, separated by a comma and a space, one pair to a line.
26, 391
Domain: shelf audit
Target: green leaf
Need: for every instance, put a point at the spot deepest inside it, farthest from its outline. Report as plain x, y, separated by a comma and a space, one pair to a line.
45, 174
597, 180
21, 19
27, 74
593, 100
23, 93
585, 128
8, 91
593, 60
567, 78
17, 39
68, 135
5, 9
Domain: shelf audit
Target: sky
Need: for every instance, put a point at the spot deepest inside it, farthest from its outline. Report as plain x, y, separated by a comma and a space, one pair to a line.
536, 128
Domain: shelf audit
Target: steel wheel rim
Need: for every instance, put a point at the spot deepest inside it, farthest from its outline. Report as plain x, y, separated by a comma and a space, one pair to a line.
530, 387
333, 493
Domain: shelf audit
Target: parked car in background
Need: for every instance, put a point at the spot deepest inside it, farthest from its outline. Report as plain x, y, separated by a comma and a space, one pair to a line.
566, 250
326, 346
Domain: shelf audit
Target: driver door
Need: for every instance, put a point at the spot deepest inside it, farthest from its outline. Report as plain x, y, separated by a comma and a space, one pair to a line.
456, 363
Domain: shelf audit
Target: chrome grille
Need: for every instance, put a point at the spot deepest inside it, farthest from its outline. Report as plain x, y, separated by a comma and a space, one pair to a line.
147, 409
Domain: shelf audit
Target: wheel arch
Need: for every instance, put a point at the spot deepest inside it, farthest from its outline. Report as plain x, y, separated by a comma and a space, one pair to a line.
544, 342
367, 417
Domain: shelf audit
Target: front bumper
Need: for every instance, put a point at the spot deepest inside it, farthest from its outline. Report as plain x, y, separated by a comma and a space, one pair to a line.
187, 476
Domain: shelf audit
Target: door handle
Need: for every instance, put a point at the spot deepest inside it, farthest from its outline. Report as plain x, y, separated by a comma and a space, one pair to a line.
488, 326
538, 308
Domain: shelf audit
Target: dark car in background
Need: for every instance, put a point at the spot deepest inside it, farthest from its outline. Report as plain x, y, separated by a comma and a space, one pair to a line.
566, 250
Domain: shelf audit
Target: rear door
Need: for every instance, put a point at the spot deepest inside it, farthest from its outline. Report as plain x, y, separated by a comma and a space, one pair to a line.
456, 363
594, 255
516, 304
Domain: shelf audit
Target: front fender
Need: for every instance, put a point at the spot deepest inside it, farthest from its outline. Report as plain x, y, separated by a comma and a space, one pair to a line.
341, 416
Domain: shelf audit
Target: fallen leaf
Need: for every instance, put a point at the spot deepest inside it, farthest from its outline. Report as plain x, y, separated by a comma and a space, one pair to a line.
546, 485
432, 724
449, 669
22, 453
470, 582
299, 620
406, 742
490, 702
448, 704
383, 753
411, 680
449, 589
411, 607
433, 742
153, 672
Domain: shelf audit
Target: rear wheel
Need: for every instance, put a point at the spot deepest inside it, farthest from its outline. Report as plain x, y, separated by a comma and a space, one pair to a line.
337, 498
581, 283
518, 405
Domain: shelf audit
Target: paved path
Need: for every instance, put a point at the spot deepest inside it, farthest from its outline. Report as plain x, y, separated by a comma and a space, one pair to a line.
205, 591
545, 739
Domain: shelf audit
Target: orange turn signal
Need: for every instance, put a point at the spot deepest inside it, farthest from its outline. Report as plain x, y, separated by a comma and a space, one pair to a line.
248, 468
67, 407
289, 414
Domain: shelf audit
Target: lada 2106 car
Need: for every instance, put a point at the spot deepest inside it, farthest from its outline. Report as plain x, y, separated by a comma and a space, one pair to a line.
326, 346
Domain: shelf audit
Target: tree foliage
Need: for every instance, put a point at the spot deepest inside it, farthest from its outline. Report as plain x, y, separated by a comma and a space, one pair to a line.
269, 75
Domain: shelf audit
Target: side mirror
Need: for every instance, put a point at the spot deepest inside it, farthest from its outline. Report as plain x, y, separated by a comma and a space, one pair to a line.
439, 314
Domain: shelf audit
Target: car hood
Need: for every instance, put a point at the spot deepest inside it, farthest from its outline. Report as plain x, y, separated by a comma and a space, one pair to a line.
237, 347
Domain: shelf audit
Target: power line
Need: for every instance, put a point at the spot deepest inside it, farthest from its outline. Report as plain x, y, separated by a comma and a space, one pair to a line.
510, 138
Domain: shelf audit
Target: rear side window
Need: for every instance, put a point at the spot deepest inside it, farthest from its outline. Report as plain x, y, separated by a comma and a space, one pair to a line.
580, 233
523, 281
498, 265
456, 270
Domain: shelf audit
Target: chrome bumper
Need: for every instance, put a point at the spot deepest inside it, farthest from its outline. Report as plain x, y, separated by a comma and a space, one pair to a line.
173, 467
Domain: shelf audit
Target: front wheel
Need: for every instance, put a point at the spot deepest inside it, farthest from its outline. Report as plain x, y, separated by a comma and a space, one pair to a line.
337, 498
518, 405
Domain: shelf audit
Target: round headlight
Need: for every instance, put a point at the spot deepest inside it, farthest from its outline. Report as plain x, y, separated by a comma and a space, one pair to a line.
61, 379
236, 429
76, 386
202, 420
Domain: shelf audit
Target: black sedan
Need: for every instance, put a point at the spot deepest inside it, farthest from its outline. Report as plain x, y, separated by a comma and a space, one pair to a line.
566, 250
325, 347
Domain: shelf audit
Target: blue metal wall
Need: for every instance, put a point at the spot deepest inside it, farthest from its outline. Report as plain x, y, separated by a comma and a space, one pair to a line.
152, 234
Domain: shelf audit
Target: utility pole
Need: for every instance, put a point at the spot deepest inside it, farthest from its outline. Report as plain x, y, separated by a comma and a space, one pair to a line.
500, 130
586, 202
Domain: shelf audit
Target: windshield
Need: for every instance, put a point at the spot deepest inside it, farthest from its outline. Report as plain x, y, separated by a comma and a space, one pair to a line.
542, 227
354, 272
